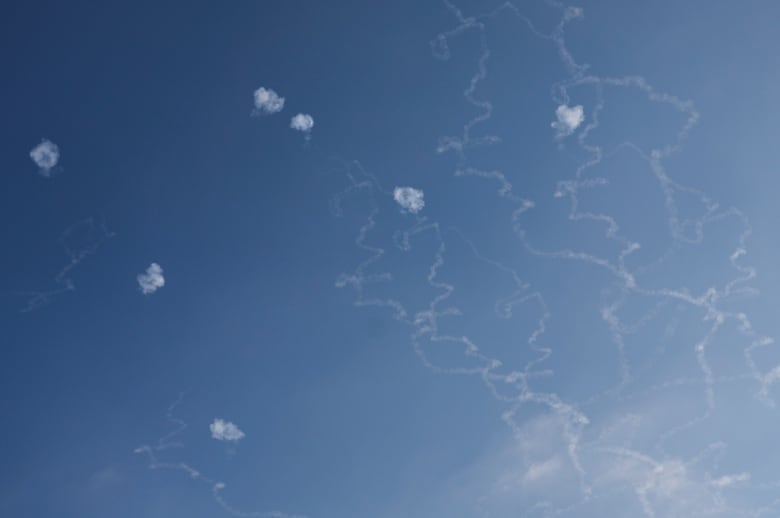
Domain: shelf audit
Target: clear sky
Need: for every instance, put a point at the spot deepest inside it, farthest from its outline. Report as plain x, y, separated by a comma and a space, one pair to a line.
389, 259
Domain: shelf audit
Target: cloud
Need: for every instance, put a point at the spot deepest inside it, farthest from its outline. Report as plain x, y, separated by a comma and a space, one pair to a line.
730, 480
152, 280
302, 122
569, 119
45, 155
409, 199
267, 101
223, 430
541, 470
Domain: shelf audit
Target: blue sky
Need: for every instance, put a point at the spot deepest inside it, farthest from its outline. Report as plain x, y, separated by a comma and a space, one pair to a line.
512, 259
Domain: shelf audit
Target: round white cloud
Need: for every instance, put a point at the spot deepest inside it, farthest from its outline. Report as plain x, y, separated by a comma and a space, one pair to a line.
222, 430
267, 101
409, 199
45, 155
569, 119
151, 280
302, 122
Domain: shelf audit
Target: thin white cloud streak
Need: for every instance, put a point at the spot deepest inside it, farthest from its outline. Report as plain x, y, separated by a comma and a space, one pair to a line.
79, 241
671, 485
222, 430
267, 101
730, 480
171, 441
46, 156
409, 198
151, 280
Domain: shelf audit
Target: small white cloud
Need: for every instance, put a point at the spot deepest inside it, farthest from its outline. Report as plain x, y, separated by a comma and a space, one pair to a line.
572, 12
152, 279
409, 199
302, 122
730, 480
223, 430
267, 101
569, 119
45, 155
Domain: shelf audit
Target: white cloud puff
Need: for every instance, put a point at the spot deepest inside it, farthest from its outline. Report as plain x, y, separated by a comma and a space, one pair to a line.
569, 119
409, 198
302, 122
267, 101
45, 155
152, 279
222, 430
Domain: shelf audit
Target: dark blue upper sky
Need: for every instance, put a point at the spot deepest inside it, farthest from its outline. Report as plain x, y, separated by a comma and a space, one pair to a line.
580, 374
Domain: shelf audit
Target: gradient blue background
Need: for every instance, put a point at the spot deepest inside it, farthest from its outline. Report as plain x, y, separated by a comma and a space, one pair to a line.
150, 104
